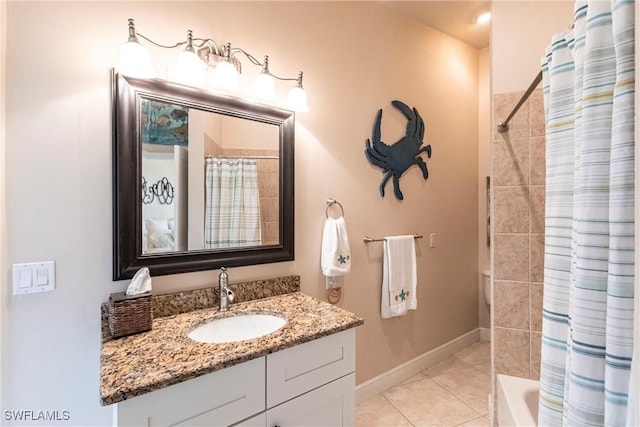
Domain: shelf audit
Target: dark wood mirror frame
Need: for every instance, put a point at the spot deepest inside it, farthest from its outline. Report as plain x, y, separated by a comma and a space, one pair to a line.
127, 207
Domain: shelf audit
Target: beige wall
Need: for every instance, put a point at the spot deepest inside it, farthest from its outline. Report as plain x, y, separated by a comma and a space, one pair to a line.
520, 31
357, 57
484, 170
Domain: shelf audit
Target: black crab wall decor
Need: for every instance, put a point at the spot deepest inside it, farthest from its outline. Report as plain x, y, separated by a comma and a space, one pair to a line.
396, 158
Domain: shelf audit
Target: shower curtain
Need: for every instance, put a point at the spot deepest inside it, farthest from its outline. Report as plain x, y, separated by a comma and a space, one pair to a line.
587, 330
232, 204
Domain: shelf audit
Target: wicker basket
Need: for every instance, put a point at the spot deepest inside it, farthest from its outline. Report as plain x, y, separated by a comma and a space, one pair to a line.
129, 314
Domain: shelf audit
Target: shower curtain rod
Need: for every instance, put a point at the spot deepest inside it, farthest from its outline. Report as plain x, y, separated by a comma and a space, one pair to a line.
504, 126
242, 157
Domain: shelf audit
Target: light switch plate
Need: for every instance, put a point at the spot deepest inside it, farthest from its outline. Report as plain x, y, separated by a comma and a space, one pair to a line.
34, 277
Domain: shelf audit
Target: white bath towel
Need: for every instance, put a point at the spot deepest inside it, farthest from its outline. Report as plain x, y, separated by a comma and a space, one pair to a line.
335, 259
399, 276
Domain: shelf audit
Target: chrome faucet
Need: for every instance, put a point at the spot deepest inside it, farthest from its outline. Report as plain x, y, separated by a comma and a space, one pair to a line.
226, 295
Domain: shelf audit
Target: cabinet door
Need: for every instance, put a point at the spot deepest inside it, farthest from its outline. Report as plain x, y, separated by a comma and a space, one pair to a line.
259, 420
298, 369
217, 399
328, 406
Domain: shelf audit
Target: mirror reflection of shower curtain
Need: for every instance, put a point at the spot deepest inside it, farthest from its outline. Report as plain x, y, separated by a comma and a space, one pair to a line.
232, 203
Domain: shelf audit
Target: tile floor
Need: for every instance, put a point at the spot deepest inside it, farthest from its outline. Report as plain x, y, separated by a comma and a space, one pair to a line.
452, 392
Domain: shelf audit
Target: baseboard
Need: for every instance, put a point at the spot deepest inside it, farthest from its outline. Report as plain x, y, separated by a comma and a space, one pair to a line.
485, 334
400, 373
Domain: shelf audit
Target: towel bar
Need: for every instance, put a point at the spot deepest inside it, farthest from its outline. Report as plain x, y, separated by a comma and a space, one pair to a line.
368, 239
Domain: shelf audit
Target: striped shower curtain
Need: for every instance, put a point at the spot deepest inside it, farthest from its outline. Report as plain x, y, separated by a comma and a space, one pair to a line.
587, 330
232, 204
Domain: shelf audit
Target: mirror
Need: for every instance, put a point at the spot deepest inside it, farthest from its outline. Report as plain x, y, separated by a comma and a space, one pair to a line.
214, 174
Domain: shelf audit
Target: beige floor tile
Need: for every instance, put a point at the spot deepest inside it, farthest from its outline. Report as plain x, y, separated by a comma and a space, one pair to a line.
484, 367
469, 385
442, 395
449, 364
378, 412
424, 403
477, 353
478, 422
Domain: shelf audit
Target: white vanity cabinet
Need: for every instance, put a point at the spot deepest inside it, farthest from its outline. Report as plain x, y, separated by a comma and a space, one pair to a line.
330, 405
212, 399
311, 384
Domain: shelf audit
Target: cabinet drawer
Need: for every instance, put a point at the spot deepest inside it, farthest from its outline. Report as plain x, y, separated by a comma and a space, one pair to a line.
220, 398
298, 369
331, 405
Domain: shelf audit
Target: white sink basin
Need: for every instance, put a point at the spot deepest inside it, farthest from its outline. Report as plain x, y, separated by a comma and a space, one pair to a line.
237, 328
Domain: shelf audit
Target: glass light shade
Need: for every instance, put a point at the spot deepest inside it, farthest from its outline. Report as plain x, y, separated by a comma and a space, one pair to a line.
483, 17
135, 61
189, 69
225, 76
298, 100
264, 86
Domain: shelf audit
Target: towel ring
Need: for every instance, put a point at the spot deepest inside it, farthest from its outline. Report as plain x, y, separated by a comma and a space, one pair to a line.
331, 202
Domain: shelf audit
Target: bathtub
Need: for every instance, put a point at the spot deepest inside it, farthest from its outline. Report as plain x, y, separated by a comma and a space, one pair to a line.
517, 401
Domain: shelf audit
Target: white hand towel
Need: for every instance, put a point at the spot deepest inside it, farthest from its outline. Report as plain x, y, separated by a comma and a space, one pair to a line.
335, 259
399, 276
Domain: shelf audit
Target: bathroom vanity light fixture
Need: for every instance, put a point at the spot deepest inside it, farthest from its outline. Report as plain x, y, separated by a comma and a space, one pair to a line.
483, 17
202, 61
134, 59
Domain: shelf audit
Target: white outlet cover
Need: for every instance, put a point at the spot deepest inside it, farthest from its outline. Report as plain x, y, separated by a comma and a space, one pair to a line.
31, 270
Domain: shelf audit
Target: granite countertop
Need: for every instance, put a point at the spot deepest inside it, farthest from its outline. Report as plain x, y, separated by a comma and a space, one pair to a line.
149, 361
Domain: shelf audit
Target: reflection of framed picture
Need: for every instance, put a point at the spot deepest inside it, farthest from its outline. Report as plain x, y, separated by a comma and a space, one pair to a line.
164, 124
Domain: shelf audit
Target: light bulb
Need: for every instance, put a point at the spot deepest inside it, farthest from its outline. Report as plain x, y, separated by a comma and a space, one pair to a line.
189, 68
483, 17
298, 100
135, 61
225, 76
264, 86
